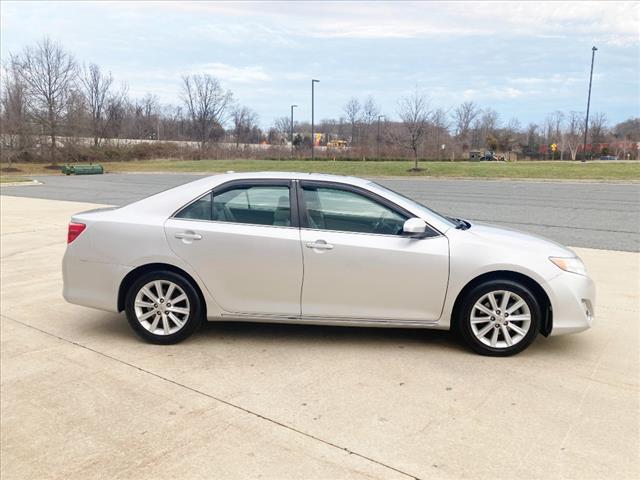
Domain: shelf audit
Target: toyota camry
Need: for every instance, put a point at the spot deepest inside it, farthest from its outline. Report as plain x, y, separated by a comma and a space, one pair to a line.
320, 249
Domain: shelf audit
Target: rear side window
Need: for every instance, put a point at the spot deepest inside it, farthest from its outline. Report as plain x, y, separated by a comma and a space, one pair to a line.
198, 210
257, 205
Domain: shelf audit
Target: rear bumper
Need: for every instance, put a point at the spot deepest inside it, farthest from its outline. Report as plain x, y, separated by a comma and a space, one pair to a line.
573, 299
92, 284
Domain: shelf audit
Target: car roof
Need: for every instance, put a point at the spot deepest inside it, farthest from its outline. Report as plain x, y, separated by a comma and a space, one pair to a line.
291, 175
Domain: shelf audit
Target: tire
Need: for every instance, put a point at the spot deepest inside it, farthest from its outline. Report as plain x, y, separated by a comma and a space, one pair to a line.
491, 331
153, 317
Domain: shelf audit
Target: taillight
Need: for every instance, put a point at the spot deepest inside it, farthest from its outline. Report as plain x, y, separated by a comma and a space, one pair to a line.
75, 229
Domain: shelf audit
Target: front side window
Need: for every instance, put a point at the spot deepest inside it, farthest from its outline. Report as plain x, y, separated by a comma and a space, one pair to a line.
398, 197
342, 210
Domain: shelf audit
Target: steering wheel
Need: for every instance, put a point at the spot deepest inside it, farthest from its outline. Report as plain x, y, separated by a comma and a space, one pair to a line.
386, 225
381, 225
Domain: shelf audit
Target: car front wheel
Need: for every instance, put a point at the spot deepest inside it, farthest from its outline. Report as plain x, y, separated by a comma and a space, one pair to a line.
499, 318
163, 307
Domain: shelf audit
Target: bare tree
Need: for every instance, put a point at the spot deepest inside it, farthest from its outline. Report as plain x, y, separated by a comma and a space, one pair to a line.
245, 125
463, 117
96, 88
558, 117
282, 127
370, 111
142, 118
508, 136
573, 132
173, 124
115, 112
352, 112
49, 73
206, 102
414, 111
598, 128
553, 128
439, 129
558, 120
489, 123
116, 109
14, 108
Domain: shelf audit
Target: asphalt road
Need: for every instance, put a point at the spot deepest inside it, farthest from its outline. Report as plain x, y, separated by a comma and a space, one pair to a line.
595, 215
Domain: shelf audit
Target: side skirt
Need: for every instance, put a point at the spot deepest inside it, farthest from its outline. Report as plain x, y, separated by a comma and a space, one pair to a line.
334, 321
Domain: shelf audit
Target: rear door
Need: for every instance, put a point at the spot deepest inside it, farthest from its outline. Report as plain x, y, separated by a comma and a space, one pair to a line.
359, 265
243, 240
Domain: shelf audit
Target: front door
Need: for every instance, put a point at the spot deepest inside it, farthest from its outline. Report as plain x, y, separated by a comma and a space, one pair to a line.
244, 245
359, 265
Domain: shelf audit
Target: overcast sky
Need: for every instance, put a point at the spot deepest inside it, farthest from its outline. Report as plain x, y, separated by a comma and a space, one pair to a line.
522, 59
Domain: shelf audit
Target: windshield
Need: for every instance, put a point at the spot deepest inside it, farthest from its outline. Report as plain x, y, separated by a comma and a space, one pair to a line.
393, 195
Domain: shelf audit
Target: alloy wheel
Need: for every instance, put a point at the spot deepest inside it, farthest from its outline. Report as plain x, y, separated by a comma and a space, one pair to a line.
500, 319
162, 307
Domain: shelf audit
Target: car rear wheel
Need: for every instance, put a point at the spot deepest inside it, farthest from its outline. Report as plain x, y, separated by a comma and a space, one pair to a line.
499, 318
163, 307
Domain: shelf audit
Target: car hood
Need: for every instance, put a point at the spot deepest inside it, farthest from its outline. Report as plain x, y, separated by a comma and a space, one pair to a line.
510, 238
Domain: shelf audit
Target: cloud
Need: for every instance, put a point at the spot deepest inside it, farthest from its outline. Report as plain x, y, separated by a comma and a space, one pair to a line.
555, 79
233, 74
495, 93
609, 22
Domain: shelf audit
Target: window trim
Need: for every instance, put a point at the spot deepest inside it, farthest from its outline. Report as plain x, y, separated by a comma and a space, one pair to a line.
304, 219
248, 183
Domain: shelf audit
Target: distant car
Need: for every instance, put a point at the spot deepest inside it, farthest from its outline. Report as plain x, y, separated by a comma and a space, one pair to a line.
319, 249
608, 157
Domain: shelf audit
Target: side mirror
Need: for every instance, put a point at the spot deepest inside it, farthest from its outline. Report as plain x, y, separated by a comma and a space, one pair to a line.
414, 226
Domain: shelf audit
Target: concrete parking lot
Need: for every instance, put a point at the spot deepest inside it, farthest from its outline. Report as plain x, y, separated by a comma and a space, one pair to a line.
582, 214
82, 397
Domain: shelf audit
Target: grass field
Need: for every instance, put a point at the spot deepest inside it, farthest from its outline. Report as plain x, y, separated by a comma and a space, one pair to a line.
12, 178
629, 171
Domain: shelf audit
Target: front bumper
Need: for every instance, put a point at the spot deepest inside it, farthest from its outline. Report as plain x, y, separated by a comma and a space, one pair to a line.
573, 299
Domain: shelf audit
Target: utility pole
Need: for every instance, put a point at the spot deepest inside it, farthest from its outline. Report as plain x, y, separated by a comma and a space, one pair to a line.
313, 140
586, 122
379, 117
292, 107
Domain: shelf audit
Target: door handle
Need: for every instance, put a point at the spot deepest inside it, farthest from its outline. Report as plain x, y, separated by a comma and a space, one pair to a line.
319, 245
188, 236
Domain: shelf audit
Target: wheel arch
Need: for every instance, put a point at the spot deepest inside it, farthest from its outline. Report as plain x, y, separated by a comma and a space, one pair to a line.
137, 272
546, 323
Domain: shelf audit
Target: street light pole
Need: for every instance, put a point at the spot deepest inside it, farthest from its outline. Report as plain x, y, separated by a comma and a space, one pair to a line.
379, 117
586, 122
292, 107
313, 140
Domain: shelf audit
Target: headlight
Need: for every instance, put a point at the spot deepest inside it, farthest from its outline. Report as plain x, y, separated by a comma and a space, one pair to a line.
570, 264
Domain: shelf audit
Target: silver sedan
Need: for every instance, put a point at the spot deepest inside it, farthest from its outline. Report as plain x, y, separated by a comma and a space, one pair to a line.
320, 249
